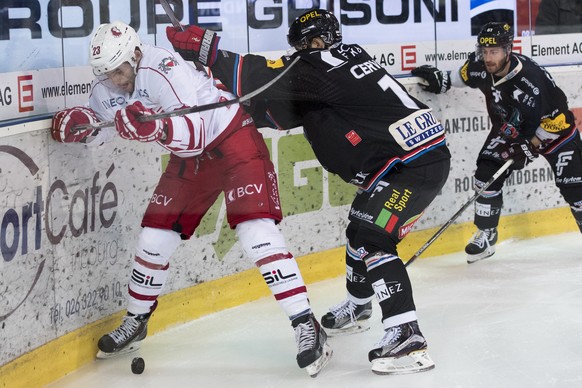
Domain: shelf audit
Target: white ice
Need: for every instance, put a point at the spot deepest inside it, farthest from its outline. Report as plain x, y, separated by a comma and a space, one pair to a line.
513, 320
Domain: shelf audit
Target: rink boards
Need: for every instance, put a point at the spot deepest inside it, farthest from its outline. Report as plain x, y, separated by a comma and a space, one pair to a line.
70, 218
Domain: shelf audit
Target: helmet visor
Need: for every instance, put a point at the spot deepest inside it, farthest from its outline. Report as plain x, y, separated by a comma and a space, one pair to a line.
480, 50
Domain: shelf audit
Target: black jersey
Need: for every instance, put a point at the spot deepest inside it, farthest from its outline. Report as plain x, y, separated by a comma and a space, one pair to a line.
359, 120
527, 88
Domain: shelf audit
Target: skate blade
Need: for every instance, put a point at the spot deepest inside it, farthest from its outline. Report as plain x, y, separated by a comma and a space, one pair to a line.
359, 327
414, 362
314, 368
130, 348
474, 258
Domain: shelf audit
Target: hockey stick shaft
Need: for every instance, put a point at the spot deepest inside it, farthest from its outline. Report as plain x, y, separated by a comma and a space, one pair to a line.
499, 172
176, 23
171, 15
195, 109
220, 104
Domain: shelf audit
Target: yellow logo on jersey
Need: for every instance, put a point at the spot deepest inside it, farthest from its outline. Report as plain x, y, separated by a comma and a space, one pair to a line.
557, 124
275, 64
464, 74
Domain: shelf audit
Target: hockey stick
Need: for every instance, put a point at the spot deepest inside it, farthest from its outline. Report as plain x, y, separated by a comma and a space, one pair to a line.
194, 109
168, 10
214, 105
501, 170
176, 23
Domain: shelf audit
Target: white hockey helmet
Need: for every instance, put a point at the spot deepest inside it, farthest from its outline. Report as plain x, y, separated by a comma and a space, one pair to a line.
112, 45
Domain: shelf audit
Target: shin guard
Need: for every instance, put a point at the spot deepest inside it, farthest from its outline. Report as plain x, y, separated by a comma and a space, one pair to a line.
265, 246
487, 207
357, 285
392, 287
150, 268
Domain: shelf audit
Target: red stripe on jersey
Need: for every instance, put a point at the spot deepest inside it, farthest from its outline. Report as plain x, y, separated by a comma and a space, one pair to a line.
560, 143
272, 119
239, 76
191, 129
166, 79
393, 161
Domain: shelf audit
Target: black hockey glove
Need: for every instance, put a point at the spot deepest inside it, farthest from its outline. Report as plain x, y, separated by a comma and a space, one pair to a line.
520, 150
437, 81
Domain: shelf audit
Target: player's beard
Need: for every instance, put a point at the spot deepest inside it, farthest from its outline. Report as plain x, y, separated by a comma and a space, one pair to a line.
495, 67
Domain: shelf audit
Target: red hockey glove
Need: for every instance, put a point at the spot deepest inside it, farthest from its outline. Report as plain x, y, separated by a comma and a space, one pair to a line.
520, 150
65, 120
130, 128
194, 44
437, 81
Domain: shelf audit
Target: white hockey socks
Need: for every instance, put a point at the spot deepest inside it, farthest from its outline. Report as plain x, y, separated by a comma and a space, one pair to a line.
265, 246
281, 273
150, 268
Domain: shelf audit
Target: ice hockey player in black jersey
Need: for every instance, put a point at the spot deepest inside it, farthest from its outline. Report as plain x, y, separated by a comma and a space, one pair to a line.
364, 127
530, 117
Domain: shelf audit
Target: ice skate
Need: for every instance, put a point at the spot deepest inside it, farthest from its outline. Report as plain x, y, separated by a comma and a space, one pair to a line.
126, 338
401, 350
481, 245
347, 318
313, 352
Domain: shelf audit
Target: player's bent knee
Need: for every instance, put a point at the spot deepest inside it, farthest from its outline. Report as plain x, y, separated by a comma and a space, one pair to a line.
157, 245
261, 238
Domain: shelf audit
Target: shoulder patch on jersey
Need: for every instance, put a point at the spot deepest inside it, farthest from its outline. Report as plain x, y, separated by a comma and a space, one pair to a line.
167, 64
464, 72
353, 137
275, 64
556, 124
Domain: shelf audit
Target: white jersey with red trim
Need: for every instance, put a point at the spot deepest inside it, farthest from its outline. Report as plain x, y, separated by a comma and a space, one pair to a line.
166, 82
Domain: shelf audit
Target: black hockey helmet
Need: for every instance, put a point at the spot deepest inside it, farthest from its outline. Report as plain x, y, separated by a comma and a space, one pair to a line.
314, 23
495, 34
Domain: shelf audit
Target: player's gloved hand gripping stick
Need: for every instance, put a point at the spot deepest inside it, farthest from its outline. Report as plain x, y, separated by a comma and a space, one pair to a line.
176, 23
517, 146
194, 109
499, 172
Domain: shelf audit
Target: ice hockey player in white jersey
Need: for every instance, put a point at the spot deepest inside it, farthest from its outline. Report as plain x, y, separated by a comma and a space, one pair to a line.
212, 152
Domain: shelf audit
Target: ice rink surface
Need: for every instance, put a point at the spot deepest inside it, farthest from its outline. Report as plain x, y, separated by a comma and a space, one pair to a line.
513, 320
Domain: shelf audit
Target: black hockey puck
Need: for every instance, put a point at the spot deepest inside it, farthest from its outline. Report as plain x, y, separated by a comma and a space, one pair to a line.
137, 365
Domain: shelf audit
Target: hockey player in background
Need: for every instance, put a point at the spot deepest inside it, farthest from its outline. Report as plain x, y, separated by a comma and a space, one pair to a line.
530, 117
211, 152
364, 127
